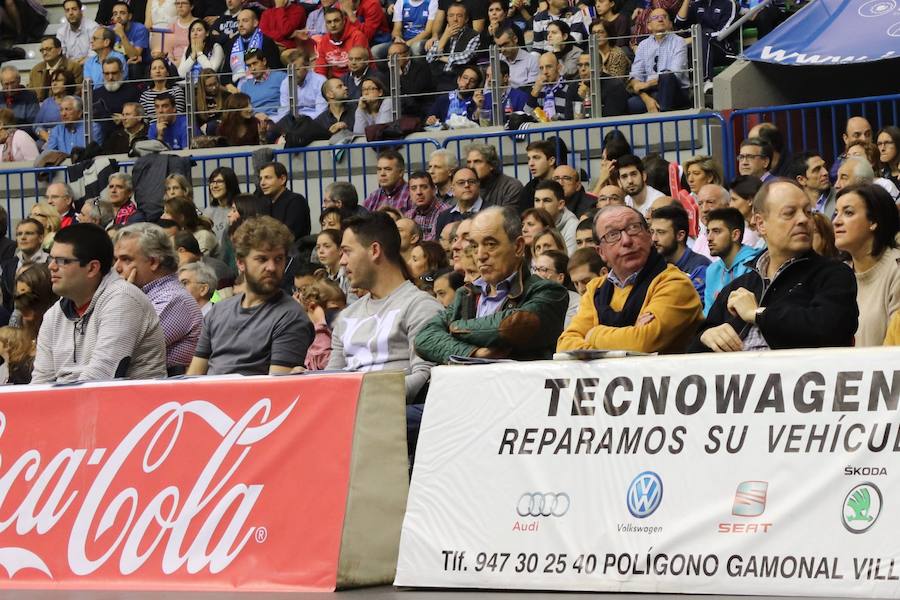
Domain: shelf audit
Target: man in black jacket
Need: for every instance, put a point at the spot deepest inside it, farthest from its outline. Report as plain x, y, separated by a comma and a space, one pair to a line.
791, 297
288, 207
415, 82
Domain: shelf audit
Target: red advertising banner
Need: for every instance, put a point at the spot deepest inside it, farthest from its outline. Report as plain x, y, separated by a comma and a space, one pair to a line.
209, 484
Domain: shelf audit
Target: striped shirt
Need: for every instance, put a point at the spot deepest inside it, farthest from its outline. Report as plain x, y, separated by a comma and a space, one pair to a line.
460, 50
149, 95
179, 317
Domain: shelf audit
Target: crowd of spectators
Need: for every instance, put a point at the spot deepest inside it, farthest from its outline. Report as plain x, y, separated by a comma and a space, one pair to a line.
233, 57
460, 263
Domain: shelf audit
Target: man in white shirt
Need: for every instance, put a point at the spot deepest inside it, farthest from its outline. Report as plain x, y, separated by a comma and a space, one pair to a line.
75, 34
523, 66
633, 180
308, 93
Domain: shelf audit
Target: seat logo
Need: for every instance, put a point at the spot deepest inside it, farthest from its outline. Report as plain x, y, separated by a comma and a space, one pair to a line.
750, 499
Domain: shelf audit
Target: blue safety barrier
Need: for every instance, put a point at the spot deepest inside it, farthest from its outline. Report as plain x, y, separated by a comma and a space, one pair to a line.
816, 126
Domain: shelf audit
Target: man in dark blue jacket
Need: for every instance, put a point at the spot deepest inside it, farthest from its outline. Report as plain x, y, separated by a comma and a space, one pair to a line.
714, 16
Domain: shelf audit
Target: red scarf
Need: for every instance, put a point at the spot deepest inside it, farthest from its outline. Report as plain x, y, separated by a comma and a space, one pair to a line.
124, 213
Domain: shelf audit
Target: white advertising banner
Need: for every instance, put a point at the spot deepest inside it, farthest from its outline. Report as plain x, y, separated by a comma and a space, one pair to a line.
764, 473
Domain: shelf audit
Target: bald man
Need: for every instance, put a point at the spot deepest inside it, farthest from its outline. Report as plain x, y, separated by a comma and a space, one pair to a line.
578, 200
249, 37
710, 197
550, 89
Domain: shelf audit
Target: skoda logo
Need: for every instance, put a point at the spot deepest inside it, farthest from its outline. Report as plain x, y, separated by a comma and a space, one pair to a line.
861, 507
644, 494
540, 504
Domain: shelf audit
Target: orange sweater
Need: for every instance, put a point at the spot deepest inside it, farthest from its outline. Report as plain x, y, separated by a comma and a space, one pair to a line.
671, 298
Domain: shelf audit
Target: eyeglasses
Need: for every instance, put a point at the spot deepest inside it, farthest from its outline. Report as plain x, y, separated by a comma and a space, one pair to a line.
743, 157
62, 261
543, 271
884, 144
568, 178
46, 50
609, 198
632, 229
465, 182
216, 181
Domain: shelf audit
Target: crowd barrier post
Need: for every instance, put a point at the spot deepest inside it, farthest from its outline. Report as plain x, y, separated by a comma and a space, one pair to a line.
596, 70
697, 66
394, 74
87, 108
189, 97
292, 98
496, 100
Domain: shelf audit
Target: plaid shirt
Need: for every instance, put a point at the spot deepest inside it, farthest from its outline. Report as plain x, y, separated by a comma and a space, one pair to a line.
652, 58
456, 55
396, 198
179, 317
427, 219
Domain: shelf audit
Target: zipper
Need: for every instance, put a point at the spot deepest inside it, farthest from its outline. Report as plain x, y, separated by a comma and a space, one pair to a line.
746, 328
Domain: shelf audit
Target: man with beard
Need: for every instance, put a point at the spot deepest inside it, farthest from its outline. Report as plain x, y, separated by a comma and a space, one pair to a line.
262, 330
250, 38
669, 232
459, 101
110, 100
132, 38
75, 34
334, 47
633, 180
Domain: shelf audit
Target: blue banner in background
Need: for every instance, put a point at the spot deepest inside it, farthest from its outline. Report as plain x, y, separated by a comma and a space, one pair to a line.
833, 32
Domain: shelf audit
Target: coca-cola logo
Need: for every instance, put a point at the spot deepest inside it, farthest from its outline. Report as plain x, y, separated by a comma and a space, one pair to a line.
206, 528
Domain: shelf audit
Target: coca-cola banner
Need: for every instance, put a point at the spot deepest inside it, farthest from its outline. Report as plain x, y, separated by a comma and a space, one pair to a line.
258, 483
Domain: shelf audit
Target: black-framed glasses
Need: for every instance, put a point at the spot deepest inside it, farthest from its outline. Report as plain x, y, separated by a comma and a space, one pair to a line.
632, 229
742, 157
62, 261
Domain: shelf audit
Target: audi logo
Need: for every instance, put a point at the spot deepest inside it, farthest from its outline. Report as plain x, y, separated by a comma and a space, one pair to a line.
543, 504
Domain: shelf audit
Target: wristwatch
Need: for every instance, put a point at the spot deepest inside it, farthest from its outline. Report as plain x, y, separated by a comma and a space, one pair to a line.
758, 312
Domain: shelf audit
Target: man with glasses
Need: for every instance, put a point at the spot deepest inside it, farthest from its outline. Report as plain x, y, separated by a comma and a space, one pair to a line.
578, 200
523, 65
53, 61
22, 102
467, 193
643, 304
755, 158
111, 98
103, 327
507, 312
62, 198
459, 102
610, 195
102, 41
659, 72
579, 103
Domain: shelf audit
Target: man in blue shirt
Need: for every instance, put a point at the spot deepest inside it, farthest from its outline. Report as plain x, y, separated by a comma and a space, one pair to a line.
659, 71
102, 41
263, 86
724, 231
70, 133
669, 232
132, 38
308, 93
169, 128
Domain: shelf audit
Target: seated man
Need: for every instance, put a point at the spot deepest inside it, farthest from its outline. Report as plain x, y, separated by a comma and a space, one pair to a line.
262, 84
585, 265
102, 327
460, 101
455, 48
70, 133
262, 330
659, 71
549, 196
507, 312
169, 128
308, 89
376, 332
793, 298
130, 130
643, 304
550, 89
723, 234
755, 158
669, 232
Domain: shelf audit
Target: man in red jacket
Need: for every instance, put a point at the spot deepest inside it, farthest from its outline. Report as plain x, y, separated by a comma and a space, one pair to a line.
334, 47
369, 17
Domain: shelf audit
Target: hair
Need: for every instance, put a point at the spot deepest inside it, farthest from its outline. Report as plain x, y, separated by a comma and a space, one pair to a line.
18, 344
68, 80
332, 10
545, 147
761, 199
207, 45
450, 158
630, 160
102, 210
435, 256
41, 297
30, 221
76, 101
203, 107
377, 83
205, 275
182, 181
589, 257
563, 27
184, 212
746, 186
616, 145
458, 5
323, 292
256, 53
390, 211
108, 35
232, 187
732, 218
237, 129
512, 224
676, 215
826, 232
7, 116
331, 210
49, 212
164, 97
280, 169
586, 224
657, 170
553, 186
55, 40
153, 241
869, 149
552, 232
261, 233
250, 205
334, 234
541, 215
488, 152
392, 155
561, 266
894, 133
769, 133
881, 210
171, 74
378, 227
422, 175
184, 239
89, 242
347, 194
798, 165
710, 167
861, 169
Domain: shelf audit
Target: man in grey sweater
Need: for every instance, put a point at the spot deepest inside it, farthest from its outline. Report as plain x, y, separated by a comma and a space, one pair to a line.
376, 332
102, 327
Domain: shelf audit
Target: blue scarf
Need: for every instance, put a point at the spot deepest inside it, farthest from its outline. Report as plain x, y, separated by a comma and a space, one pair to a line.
458, 106
550, 97
240, 47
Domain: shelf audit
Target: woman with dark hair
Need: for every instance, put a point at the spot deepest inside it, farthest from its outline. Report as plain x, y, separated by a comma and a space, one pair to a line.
559, 37
33, 297
239, 126
185, 214
210, 98
223, 189
615, 145
246, 206
823, 236
203, 52
888, 143
618, 23
373, 108
554, 266
865, 226
497, 20
548, 239
743, 189
615, 62
163, 77
425, 259
534, 221
62, 84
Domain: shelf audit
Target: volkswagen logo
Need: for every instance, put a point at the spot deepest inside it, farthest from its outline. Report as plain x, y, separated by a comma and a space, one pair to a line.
644, 494
540, 504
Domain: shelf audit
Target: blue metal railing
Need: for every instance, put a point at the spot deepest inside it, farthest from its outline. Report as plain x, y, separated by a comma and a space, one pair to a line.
816, 126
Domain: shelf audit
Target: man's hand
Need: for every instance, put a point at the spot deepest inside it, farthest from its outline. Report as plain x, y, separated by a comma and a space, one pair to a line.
742, 303
722, 339
119, 30
478, 98
210, 20
117, 118
301, 34
583, 90
161, 127
431, 120
645, 319
337, 127
650, 102
232, 89
490, 353
429, 43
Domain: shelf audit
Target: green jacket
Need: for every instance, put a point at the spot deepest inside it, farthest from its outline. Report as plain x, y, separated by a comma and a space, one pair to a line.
527, 324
